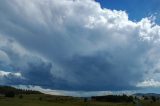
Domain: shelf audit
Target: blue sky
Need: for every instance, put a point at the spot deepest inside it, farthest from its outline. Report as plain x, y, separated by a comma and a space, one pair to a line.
80, 45
136, 9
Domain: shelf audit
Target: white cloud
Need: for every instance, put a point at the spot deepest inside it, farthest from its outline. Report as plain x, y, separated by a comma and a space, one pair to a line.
4, 57
17, 63
149, 83
63, 92
7, 74
72, 93
76, 41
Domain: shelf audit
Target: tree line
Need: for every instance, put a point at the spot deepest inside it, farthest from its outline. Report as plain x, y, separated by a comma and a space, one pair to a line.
9, 91
113, 98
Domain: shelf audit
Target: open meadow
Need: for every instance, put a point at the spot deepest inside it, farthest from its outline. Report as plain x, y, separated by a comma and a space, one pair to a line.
49, 100
10, 96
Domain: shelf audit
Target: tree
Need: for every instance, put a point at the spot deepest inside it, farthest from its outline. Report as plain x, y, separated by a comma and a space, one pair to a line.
10, 94
85, 100
153, 98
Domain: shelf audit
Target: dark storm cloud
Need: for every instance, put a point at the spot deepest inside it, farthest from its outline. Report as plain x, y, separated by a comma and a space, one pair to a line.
75, 45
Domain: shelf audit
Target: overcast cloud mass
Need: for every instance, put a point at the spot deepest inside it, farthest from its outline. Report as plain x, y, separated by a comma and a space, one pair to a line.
76, 45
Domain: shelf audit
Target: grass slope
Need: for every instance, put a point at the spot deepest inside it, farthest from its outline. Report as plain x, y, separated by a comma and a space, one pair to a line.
48, 100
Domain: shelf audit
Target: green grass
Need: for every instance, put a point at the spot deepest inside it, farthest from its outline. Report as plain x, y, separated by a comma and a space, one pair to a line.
48, 100
150, 103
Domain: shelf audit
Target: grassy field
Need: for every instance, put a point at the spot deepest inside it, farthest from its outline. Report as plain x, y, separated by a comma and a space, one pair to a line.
150, 103
48, 100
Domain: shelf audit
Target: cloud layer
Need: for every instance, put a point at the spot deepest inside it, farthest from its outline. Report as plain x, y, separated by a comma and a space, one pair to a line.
76, 45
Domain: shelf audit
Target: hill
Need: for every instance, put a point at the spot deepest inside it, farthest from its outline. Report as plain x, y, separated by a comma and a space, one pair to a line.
146, 94
6, 89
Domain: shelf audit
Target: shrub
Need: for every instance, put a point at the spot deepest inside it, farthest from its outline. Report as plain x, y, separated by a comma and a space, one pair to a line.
153, 98
20, 96
40, 98
10, 94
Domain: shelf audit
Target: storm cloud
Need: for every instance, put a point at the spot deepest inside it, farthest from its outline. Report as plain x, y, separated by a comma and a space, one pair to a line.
76, 45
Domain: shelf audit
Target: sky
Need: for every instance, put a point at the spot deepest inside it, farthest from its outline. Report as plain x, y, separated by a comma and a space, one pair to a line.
74, 46
136, 9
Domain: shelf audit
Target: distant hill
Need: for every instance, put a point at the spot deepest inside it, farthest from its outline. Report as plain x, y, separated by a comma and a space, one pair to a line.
146, 94
5, 89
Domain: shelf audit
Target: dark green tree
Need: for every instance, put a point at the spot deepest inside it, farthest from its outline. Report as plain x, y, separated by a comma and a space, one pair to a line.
10, 94
153, 98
